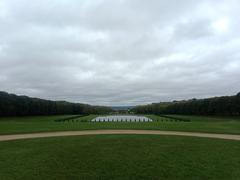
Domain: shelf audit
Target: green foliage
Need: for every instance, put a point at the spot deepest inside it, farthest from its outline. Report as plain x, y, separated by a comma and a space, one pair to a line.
226, 105
13, 105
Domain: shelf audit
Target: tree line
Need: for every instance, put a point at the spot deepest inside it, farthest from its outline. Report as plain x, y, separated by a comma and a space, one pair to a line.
13, 105
225, 105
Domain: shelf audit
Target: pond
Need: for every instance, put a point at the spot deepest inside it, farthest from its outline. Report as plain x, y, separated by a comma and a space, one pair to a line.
122, 118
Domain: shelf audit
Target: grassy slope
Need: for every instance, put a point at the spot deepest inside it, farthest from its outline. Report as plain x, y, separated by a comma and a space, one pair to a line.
120, 157
44, 124
14, 125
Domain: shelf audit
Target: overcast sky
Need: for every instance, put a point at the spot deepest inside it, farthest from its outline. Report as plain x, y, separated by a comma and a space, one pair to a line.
120, 52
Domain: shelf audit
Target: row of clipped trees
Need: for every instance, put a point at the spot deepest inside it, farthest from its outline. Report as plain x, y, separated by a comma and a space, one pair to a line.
225, 105
13, 105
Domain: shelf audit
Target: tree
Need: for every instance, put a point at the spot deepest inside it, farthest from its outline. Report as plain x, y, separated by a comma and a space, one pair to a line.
13, 105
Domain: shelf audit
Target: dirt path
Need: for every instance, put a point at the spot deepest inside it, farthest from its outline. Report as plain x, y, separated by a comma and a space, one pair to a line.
97, 132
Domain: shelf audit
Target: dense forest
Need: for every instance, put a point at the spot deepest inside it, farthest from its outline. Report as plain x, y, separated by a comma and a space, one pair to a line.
13, 105
225, 105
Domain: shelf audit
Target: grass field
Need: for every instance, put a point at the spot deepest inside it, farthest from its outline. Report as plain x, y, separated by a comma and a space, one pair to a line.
120, 157
47, 123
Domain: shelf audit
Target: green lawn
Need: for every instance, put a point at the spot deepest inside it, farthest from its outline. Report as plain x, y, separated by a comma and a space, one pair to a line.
120, 157
47, 123
208, 118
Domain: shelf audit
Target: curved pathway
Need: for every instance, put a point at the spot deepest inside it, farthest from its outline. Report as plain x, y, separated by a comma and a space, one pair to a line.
98, 132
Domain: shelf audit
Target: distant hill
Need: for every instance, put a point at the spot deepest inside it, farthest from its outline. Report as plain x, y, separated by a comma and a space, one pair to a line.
122, 108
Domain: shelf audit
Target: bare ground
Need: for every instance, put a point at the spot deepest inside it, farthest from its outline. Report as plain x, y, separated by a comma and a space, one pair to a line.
98, 132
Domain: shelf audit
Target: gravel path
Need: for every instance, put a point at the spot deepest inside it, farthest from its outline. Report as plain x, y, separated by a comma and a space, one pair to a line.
98, 132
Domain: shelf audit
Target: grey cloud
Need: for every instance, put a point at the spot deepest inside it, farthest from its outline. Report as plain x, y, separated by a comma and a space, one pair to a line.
193, 29
119, 52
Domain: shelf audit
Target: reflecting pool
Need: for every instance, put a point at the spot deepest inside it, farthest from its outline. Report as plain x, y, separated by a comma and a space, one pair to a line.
122, 118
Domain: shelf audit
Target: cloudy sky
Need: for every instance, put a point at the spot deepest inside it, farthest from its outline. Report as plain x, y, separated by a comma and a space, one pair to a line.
120, 52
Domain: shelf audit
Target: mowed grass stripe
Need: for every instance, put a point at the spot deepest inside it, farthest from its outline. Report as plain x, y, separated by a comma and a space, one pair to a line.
120, 157
47, 124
